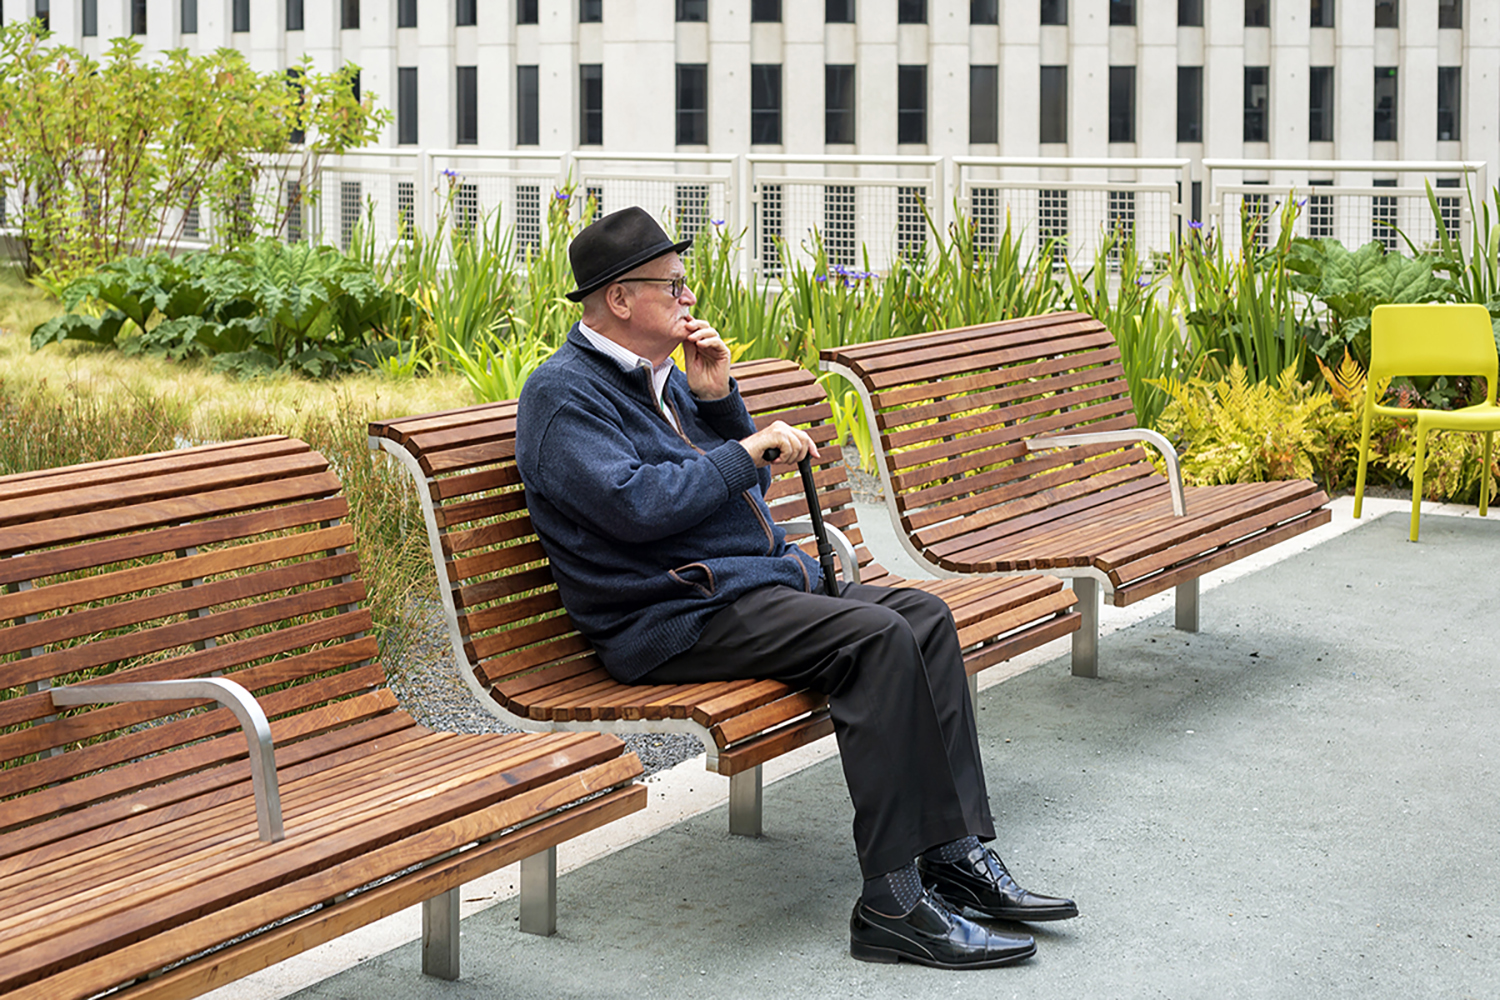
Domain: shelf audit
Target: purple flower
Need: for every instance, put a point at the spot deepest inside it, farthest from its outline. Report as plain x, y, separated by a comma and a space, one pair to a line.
1302, 203
451, 174
718, 222
1141, 283
821, 277
1195, 224
562, 196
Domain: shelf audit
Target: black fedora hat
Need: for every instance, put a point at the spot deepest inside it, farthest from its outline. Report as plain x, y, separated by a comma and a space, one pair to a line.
617, 244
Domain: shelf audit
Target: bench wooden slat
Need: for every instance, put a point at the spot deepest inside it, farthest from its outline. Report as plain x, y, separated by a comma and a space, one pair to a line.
47, 482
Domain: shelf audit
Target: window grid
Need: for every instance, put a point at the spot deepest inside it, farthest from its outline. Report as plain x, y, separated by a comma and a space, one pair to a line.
692, 209
1383, 218
406, 208
772, 217
1052, 223
292, 200
351, 200
595, 193
911, 222
1255, 218
466, 208
1121, 224
838, 224
984, 211
1320, 216
192, 222
528, 231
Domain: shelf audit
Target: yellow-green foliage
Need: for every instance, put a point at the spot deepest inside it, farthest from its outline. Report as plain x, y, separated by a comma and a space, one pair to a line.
1237, 431
1455, 463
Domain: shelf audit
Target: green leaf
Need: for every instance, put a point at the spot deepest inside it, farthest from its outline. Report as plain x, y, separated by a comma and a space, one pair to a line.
74, 326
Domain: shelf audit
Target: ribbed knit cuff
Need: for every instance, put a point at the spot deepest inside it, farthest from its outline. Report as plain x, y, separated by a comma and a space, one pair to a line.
727, 415
736, 466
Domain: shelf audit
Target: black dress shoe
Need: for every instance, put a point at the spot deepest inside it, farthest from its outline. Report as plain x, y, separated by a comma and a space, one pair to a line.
932, 934
981, 883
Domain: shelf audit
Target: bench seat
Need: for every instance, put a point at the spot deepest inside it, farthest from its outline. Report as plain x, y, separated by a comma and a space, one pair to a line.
132, 855
961, 420
526, 664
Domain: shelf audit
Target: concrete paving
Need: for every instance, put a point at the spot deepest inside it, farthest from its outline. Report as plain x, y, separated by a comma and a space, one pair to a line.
1298, 801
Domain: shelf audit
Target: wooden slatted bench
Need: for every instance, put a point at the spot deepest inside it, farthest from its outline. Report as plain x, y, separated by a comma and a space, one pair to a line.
155, 844
1012, 447
519, 652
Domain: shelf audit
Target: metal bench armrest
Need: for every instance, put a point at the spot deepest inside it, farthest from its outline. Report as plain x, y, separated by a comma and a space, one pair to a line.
848, 561
1129, 434
234, 697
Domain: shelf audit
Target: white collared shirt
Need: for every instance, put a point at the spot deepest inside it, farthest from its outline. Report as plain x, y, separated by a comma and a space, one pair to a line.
628, 360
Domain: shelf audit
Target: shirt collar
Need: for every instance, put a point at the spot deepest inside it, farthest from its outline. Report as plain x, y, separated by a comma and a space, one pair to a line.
628, 360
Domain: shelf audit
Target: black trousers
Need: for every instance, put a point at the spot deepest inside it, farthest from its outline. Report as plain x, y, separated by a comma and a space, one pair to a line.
890, 662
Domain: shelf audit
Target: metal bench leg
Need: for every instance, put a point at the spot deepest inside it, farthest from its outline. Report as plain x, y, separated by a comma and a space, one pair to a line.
1086, 639
440, 935
744, 802
1187, 606
539, 893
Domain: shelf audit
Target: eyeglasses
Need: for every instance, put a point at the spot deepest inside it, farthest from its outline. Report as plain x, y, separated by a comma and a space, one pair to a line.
675, 286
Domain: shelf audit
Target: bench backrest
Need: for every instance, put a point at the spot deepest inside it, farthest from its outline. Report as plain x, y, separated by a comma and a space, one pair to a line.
954, 409
510, 615
228, 560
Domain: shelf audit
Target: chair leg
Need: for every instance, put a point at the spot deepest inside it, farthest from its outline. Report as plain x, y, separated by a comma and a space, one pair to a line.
1364, 457
1187, 606
1086, 639
440, 935
1416, 478
745, 803
1484, 480
539, 893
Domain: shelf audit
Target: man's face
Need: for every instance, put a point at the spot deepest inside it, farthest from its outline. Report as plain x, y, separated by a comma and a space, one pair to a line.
653, 310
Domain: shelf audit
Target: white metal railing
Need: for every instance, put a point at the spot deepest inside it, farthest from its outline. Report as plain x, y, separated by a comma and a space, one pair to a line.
1343, 199
1074, 203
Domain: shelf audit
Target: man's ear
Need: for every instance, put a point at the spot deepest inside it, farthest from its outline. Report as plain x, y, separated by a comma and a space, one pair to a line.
617, 301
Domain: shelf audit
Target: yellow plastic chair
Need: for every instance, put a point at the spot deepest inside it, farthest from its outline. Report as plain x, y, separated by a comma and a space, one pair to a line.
1431, 339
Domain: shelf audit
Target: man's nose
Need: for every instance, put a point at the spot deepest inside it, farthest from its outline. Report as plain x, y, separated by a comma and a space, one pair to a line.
688, 296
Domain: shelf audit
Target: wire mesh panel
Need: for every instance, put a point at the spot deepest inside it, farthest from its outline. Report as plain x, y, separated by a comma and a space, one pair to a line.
1384, 221
474, 189
1320, 222
1121, 223
911, 222
984, 213
692, 209
771, 229
528, 219
292, 207
406, 208
838, 224
1052, 223
359, 196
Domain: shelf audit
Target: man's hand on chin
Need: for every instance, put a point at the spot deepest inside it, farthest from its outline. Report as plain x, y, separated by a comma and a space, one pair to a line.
706, 359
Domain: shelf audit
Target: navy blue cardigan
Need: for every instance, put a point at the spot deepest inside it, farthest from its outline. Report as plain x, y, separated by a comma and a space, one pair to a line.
649, 532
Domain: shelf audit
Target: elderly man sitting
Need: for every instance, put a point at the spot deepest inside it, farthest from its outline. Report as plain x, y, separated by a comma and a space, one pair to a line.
646, 486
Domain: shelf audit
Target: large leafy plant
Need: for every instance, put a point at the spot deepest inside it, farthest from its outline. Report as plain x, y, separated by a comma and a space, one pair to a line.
272, 306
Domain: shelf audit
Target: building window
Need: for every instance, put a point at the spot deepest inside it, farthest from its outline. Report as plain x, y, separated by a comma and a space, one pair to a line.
1054, 98
1383, 216
1320, 104
137, 17
838, 224
294, 82
1190, 13
838, 11
1052, 223
1257, 94
90, 18
528, 107
406, 13
44, 13
239, 16
1450, 13
765, 104
465, 13
692, 209
349, 18
984, 104
911, 104
1320, 212
765, 11
1055, 12
1121, 11
590, 11
1321, 13
838, 103
354, 85
1122, 104
692, 10
525, 11
984, 11
1386, 14
1449, 86
591, 104
189, 16
1257, 13
692, 104
1385, 103
911, 12
406, 105
293, 15
1189, 103
467, 105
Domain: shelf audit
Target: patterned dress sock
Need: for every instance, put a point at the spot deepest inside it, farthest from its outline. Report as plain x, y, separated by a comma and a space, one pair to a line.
893, 893
954, 850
